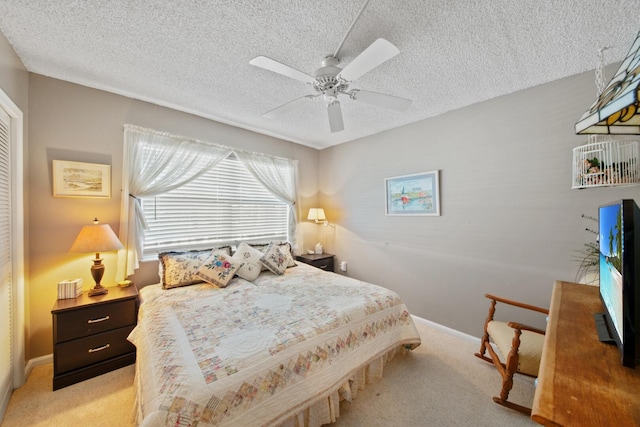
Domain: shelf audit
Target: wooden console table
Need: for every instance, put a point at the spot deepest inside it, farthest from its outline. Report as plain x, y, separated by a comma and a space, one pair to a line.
581, 381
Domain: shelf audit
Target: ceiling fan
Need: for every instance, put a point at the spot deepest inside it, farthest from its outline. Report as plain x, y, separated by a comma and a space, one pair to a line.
331, 81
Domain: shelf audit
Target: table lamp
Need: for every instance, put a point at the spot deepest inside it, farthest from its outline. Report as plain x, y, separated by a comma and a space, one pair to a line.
96, 238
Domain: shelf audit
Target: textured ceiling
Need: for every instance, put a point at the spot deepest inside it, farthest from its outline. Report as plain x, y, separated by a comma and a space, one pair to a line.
194, 55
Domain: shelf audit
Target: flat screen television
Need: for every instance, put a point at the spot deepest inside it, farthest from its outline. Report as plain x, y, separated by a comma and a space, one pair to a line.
619, 241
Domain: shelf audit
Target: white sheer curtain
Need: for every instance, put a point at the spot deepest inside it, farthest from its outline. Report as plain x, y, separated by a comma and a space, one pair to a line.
154, 163
280, 177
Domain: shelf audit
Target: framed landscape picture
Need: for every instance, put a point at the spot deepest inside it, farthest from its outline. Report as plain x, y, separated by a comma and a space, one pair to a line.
417, 194
76, 179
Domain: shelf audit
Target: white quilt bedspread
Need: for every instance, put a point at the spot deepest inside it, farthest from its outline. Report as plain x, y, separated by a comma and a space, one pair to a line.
257, 353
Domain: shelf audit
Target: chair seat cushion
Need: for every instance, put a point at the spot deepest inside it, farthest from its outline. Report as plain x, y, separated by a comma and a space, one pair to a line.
529, 352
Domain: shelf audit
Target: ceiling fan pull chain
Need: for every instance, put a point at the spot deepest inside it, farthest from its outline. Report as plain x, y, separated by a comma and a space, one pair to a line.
335, 55
600, 86
600, 83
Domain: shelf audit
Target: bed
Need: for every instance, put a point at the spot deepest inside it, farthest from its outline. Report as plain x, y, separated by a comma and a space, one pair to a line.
281, 349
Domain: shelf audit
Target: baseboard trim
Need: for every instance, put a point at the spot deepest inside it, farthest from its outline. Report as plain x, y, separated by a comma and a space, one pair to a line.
32, 363
446, 329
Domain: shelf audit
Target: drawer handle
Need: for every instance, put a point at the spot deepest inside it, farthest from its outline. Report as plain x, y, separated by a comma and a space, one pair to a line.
104, 347
323, 266
102, 319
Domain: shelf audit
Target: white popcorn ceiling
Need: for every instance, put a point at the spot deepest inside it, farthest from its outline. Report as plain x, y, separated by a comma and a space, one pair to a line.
194, 55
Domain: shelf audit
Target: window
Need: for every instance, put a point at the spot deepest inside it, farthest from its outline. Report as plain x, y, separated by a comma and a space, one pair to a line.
225, 205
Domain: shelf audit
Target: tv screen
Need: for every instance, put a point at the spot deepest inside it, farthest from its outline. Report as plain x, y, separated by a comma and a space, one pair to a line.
620, 277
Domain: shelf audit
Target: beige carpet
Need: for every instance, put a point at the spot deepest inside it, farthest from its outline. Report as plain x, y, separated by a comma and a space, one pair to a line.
440, 383
101, 401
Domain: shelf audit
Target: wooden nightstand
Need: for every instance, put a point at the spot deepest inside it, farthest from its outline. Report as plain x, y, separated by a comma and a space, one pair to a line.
90, 335
323, 261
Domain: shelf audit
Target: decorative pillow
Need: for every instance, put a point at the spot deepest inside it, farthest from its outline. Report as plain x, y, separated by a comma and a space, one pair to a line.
275, 259
180, 268
250, 257
285, 247
218, 269
262, 247
259, 246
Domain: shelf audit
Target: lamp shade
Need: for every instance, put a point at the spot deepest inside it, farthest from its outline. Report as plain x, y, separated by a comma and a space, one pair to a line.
96, 238
316, 214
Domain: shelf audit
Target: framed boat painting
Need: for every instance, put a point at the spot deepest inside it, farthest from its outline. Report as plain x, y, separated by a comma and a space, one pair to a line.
416, 194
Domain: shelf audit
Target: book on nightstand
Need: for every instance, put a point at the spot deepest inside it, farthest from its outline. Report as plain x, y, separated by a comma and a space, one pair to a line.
69, 289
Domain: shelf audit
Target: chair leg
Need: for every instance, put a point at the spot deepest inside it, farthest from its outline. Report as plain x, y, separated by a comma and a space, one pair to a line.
507, 377
513, 406
484, 342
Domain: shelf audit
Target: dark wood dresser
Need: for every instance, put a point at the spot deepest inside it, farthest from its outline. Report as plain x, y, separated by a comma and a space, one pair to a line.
322, 261
90, 335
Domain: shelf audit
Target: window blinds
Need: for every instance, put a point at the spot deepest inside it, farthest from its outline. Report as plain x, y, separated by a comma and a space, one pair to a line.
225, 205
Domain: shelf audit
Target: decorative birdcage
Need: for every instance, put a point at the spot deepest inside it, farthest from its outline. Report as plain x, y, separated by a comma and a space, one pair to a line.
605, 164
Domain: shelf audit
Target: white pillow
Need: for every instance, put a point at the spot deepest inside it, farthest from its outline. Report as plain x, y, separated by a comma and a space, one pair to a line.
250, 259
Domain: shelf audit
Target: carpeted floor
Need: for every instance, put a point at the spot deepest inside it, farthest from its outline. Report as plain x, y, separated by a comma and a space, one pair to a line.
104, 401
439, 384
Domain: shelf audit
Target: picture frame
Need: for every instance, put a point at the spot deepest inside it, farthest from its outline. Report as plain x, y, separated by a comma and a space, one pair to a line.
77, 179
415, 194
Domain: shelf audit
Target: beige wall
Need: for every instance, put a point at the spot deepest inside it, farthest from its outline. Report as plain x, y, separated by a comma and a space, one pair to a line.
72, 122
510, 223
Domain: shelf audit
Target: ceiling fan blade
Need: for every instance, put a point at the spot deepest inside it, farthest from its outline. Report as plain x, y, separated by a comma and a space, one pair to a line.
280, 68
378, 52
288, 106
335, 117
387, 101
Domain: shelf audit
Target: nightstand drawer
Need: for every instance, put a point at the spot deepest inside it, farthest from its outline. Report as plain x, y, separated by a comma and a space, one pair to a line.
94, 319
95, 348
321, 261
325, 264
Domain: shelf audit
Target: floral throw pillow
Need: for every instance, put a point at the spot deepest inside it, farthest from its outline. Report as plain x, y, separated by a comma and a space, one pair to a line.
250, 259
179, 268
285, 247
218, 269
275, 259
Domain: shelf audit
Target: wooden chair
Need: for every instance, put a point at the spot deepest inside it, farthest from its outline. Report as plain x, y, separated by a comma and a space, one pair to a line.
520, 344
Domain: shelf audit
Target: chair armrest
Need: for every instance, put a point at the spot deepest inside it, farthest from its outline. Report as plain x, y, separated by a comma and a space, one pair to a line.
517, 304
520, 326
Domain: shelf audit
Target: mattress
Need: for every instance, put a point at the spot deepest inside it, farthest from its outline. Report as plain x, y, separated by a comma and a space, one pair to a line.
281, 350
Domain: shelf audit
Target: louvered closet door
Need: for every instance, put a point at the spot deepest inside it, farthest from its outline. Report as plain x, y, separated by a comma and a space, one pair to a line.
6, 315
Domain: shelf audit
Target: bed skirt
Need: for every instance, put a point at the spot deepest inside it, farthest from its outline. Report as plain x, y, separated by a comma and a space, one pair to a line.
326, 409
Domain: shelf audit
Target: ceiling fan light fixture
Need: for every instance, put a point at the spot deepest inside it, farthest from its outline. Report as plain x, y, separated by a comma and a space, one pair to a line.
331, 80
331, 61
